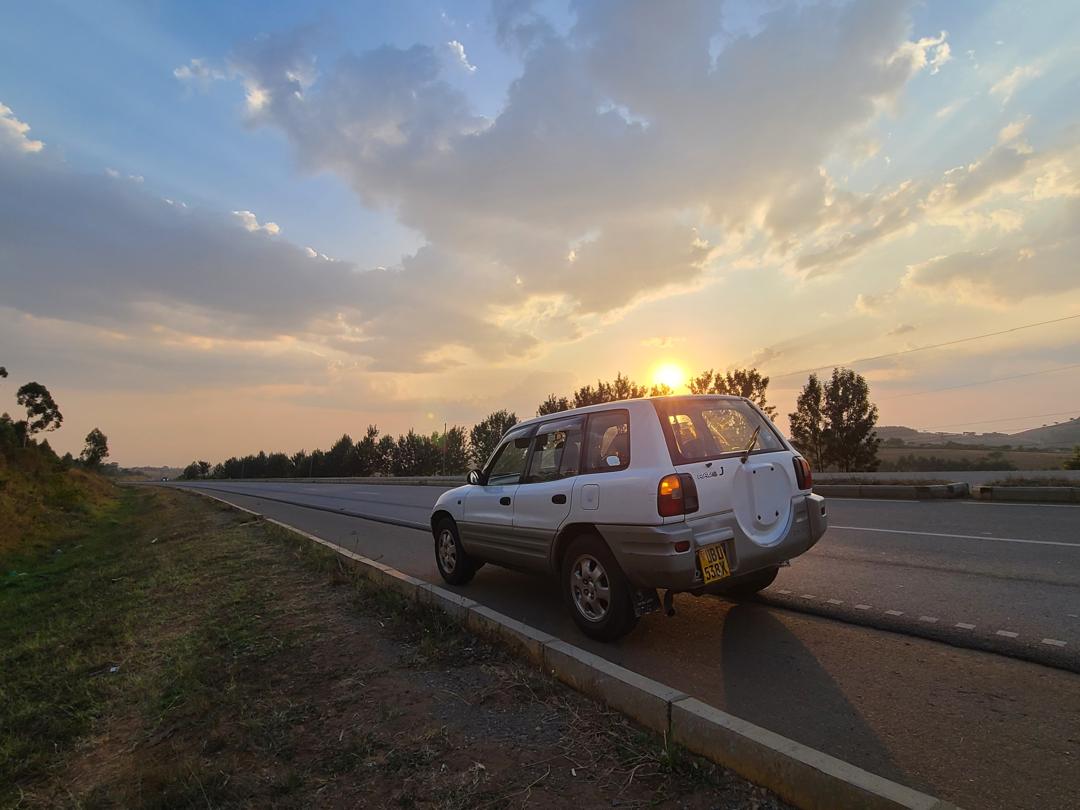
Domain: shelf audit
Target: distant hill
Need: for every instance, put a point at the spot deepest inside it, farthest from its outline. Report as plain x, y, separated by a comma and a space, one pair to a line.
1062, 435
1065, 434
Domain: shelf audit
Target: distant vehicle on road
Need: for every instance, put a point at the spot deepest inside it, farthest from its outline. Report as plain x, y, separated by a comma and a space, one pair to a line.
694, 494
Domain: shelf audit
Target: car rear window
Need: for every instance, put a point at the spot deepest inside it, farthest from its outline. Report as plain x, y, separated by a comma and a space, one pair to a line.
704, 429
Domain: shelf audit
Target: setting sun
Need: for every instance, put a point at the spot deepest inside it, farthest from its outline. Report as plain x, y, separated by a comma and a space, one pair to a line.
671, 375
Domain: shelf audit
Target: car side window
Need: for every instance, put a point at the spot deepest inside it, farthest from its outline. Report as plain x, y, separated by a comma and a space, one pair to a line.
607, 441
508, 464
556, 451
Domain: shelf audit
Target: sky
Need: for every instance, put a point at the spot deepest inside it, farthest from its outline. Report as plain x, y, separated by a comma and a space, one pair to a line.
227, 227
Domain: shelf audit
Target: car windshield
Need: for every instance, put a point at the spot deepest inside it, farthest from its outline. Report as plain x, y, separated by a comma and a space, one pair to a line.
703, 429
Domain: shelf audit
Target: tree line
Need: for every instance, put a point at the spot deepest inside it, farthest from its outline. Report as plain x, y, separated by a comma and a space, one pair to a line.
833, 425
43, 416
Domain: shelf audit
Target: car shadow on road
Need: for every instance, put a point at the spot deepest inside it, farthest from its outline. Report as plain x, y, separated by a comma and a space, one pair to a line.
773, 680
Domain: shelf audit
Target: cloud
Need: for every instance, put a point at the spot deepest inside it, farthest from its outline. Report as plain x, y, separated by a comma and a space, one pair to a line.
459, 54
867, 304
84, 249
199, 71
13, 133
1041, 265
900, 329
1007, 85
251, 224
625, 141
950, 108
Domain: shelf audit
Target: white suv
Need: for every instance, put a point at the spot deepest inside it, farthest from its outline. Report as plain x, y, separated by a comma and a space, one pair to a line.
697, 494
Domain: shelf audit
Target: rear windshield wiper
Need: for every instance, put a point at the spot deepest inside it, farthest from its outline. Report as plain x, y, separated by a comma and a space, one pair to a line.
750, 444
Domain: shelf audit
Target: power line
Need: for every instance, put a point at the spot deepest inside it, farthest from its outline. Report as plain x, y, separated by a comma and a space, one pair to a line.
924, 348
1004, 419
980, 382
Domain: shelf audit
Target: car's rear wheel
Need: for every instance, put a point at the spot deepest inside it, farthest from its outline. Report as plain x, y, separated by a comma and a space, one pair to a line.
596, 591
746, 586
456, 567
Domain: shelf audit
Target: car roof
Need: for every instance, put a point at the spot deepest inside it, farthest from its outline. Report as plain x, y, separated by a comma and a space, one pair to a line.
619, 403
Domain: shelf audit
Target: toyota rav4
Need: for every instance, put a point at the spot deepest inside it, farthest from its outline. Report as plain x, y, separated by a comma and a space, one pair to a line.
694, 494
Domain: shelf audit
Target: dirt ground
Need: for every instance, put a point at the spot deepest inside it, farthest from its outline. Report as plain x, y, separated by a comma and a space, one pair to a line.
254, 669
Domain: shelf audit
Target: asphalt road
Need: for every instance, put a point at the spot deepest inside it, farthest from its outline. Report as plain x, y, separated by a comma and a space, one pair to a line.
975, 720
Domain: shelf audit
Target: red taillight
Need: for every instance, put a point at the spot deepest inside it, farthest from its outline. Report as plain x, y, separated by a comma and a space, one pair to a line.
803, 476
676, 495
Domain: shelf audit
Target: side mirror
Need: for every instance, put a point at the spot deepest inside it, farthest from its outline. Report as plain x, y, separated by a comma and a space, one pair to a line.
475, 477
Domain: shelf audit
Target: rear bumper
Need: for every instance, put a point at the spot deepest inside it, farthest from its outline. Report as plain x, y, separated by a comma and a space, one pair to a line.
647, 554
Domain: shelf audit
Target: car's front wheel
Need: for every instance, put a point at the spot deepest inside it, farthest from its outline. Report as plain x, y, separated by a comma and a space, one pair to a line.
456, 567
596, 591
746, 586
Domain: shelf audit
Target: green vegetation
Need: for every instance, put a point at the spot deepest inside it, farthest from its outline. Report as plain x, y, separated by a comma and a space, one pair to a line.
742, 382
833, 424
1074, 462
994, 460
96, 449
178, 653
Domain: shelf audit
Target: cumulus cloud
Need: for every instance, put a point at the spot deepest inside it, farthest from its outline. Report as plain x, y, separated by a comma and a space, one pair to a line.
1007, 85
13, 133
251, 224
624, 143
459, 54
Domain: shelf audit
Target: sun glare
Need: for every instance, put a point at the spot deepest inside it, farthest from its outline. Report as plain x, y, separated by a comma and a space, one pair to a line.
671, 375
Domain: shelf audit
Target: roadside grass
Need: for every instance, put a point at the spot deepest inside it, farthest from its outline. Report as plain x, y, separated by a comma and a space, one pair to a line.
177, 653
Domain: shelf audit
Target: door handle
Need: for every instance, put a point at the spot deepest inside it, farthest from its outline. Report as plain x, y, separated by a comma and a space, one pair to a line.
560, 498
504, 501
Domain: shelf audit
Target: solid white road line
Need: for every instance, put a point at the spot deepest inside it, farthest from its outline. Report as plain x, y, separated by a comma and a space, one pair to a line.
958, 536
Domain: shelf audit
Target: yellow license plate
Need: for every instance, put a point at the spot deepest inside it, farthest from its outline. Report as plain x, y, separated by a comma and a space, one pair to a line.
714, 563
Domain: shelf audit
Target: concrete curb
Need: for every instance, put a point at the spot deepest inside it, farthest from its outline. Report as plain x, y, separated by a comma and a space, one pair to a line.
904, 492
803, 776
1027, 494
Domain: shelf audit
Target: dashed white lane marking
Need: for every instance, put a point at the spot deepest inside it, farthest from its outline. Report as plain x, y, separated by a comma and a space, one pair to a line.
807, 596
964, 626
895, 612
1006, 633
863, 607
928, 619
958, 536
784, 591
835, 601
1053, 642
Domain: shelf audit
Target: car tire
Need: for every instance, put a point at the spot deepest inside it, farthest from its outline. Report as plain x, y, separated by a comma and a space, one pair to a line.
455, 566
748, 585
595, 589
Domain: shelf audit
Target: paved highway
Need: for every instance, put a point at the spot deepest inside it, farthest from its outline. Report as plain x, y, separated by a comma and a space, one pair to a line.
967, 720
